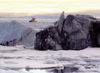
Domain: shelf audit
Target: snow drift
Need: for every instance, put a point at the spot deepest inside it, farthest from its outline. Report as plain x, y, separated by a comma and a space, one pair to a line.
13, 33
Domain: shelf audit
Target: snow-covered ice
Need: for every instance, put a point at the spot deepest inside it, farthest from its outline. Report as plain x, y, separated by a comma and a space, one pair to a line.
18, 59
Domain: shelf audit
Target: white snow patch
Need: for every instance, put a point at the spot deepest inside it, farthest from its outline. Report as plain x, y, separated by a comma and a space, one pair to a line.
18, 57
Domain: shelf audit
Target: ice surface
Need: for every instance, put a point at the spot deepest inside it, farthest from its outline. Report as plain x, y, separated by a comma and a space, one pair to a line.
16, 59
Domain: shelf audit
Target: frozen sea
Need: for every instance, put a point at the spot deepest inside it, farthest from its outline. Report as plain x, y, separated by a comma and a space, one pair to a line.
27, 60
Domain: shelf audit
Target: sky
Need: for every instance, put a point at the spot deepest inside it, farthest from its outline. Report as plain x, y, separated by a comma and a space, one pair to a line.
47, 6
